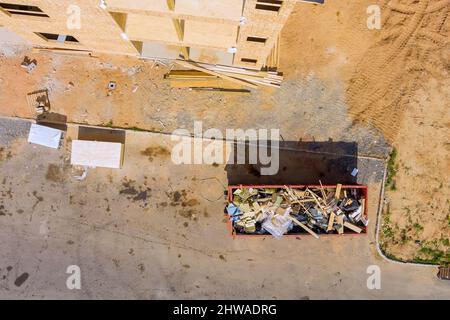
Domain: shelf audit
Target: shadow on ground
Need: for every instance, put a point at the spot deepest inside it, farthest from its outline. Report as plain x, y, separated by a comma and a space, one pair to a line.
299, 163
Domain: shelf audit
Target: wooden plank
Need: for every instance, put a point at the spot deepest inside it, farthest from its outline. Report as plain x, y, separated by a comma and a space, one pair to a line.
304, 227
191, 65
331, 221
337, 194
71, 52
250, 72
176, 74
317, 201
250, 78
324, 196
351, 226
340, 221
256, 75
203, 83
171, 5
178, 28
278, 50
363, 203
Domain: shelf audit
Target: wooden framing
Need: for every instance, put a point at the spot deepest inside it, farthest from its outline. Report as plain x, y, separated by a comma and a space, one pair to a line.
244, 31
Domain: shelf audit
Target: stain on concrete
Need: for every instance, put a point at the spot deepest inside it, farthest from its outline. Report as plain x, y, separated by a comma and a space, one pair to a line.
129, 189
54, 173
190, 203
176, 196
135, 193
188, 214
38, 199
5, 155
3, 211
179, 198
142, 195
157, 151
21, 279
7, 193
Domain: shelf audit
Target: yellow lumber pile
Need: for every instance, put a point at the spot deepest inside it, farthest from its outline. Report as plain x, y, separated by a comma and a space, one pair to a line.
198, 79
208, 75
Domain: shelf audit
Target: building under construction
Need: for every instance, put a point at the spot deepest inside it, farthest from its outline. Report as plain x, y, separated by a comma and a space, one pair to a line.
242, 33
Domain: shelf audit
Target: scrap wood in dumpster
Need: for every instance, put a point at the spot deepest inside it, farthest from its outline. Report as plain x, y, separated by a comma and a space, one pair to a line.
297, 210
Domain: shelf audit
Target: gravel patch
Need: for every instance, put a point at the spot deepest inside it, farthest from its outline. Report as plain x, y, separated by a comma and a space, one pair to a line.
12, 129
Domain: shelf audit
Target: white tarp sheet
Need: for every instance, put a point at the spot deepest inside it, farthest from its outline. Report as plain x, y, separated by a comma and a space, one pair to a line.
44, 136
96, 154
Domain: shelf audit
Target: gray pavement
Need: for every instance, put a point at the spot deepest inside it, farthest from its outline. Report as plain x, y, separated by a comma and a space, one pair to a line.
154, 229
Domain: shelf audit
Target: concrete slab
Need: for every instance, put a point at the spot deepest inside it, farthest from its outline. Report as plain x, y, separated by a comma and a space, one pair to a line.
156, 230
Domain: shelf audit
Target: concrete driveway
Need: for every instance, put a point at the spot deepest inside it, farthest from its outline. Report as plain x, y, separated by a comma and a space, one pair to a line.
154, 229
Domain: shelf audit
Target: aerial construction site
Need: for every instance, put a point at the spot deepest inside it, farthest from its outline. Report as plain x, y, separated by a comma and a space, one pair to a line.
204, 149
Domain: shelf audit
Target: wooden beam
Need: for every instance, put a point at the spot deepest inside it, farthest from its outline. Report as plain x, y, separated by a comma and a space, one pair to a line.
352, 227
304, 227
180, 33
177, 23
338, 191
191, 74
331, 221
340, 221
171, 5
203, 83
192, 65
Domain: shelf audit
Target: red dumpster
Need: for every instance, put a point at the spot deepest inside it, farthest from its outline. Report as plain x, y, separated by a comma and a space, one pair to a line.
361, 190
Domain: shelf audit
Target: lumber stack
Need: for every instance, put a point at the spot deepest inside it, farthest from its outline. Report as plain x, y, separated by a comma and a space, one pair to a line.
197, 79
273, 59
258, 77
202, 75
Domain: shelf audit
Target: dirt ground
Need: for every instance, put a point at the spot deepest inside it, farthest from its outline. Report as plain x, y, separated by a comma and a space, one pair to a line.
396, 79
402, 87
343, 83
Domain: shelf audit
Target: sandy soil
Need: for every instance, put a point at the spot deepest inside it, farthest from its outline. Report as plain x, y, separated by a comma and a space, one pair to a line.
417, 215
401, 86
412, 46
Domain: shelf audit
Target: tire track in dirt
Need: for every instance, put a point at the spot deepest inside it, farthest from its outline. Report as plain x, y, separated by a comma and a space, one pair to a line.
383, 83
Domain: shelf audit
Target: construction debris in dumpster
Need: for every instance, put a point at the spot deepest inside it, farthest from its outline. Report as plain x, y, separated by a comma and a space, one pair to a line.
310, 209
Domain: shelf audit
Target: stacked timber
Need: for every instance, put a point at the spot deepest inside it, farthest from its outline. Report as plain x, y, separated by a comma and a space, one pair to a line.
202, 75
197, 80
